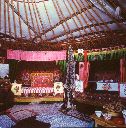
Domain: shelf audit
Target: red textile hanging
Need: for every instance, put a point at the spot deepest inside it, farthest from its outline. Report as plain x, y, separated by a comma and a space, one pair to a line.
84, 70
123, 70
36, 55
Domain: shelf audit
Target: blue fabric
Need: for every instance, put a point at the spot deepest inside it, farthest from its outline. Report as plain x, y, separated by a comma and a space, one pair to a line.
61, 120
6, 122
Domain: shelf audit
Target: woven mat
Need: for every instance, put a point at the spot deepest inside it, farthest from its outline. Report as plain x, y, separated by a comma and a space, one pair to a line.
6, 122
81, 116
21, 114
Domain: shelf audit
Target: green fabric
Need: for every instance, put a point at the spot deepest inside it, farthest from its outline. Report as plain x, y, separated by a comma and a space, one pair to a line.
103, 55
62, 65
92, 56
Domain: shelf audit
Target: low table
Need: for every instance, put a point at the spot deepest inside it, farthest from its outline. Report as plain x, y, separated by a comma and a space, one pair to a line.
100, 121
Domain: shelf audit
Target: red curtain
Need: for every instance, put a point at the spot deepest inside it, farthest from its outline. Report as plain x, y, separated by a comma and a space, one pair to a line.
123, 70
84, 70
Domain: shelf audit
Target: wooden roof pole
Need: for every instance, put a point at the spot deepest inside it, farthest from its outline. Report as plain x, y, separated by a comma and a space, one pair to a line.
113, 3
96, 14
109, 14
57, 24
74, 14
49, 19
84, 21
40, 19
36, 18
14, 22
95, 21
5, 20
72, 17
60, 18
64, 18
81, 28
8, 10
26, 16
20, 26
80, 22
16, 12
104, 23
31, 16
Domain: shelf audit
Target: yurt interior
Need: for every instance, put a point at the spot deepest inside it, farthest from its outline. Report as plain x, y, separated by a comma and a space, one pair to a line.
62, 63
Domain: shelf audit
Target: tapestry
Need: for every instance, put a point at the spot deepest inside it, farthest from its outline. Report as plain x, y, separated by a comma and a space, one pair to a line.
41, 79
107, 86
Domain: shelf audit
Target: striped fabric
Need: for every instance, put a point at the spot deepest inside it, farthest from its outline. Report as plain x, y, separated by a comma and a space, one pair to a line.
28, 90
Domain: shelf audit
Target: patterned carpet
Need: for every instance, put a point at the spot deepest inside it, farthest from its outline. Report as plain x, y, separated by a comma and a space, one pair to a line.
6, 122
48, 113
21, 114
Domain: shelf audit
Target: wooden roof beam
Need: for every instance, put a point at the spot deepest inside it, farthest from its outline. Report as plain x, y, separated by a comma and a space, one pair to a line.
64, 20
81, 28
20, 16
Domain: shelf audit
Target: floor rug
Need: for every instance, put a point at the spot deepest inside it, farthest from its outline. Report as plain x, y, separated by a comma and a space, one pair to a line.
48, 113
21, 114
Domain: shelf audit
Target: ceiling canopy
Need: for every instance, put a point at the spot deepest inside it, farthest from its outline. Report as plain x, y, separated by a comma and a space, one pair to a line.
81, 23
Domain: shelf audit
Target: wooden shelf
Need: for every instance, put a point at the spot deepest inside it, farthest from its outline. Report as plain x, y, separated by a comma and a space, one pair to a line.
35, 99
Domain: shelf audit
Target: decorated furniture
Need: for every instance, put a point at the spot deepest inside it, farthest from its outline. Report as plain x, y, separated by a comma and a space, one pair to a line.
100, 121
26, 91
88, 102
105, 93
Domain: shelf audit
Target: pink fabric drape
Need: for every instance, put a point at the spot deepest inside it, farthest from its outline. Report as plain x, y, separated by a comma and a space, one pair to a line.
81, 70
36, 55
84, 72
13, 54
123, 70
